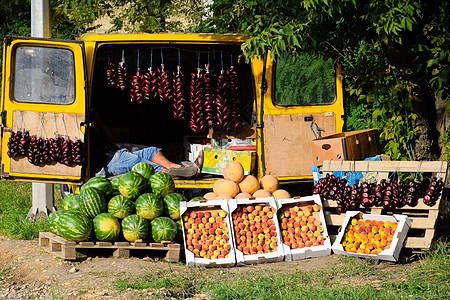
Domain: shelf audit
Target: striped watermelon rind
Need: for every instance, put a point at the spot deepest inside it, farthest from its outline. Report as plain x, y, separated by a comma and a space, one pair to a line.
74, 226
120, 206
71, 202
149, 206
52, 221
92, 202
200, 198
162, 184
100, 183
145, 169
106, 227
132, 184
163, 229
172, 202
115, 182
135, 227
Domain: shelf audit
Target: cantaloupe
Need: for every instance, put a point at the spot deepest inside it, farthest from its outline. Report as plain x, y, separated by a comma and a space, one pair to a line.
249, 184
233, 171
269, 183
243, 196
262, 194
224, 197
228, 187
216, 185
210, 196
281, 194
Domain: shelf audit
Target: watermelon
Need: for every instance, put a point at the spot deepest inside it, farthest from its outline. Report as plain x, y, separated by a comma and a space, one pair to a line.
120, 206
172, 202
197, 199
163, 229
135, 227
92, 202
74, 226
115, 182
106, 227
149, 206
100, 183
52, 221
162, 184
71, 202
145, 169
132, 184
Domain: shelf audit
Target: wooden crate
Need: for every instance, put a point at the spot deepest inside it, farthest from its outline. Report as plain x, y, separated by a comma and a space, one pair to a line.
65, 249
423, 217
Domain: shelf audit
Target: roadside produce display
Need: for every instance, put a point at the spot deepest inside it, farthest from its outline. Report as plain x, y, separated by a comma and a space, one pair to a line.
389, 194
223, 229
370, 235
135, 208
303, 228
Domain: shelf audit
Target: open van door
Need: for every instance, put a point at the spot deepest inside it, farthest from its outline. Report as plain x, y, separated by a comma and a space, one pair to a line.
300, 100
43, 105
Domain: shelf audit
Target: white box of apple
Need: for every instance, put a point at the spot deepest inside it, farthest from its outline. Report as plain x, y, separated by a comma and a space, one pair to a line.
206, 233
256, 230
303, 229
370, 235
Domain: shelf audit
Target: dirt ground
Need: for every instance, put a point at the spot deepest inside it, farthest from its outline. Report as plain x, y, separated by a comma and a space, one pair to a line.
28, 272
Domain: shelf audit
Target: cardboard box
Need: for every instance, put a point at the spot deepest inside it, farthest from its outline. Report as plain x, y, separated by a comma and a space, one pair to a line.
215, 160
207, 206
354, 145
235, 207
291, 254
390, 254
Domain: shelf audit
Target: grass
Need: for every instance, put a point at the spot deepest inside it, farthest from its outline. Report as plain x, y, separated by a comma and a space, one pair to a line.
15, 203
351, 278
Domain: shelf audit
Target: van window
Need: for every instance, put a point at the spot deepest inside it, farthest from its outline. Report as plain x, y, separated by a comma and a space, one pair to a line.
305, 79
43, 75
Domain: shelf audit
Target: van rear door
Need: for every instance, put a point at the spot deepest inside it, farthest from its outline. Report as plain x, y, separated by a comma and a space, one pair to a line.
43, 110
303, 101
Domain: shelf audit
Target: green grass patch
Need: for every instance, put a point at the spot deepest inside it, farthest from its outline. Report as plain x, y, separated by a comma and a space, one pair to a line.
350, 278
15, 203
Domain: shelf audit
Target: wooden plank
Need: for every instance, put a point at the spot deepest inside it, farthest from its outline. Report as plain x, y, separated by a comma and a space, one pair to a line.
287, 142
420, 242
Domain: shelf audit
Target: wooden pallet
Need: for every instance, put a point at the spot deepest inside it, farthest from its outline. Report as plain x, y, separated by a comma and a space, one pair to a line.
423, 217
67, 249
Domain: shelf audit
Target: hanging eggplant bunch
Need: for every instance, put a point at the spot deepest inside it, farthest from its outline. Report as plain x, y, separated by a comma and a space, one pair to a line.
235, 115
18, 143
137, 92
179, 100
198, 122
209, 95
433, 191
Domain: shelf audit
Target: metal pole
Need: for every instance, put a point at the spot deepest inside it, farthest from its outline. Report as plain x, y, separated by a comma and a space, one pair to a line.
43, 193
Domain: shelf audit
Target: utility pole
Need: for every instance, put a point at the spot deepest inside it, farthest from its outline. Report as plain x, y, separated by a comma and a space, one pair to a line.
43, 193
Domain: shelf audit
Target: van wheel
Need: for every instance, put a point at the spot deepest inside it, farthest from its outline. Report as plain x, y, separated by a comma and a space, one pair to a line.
65, 190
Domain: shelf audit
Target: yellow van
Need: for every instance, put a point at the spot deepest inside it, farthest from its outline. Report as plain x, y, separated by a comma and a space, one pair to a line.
52, 88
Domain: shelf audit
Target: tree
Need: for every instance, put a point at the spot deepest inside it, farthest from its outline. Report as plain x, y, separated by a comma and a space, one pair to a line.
395, 55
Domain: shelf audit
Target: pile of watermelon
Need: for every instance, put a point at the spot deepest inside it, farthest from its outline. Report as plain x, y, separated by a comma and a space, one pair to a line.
139, 205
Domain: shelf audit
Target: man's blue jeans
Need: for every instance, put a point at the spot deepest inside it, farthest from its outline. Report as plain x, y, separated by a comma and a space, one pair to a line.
124, 160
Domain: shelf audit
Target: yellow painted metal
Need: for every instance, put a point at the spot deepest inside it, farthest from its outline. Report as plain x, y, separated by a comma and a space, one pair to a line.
9, 105
195, 184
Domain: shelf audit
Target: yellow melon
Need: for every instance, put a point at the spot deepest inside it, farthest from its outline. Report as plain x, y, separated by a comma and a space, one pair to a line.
243, 196
281, 194
261, 194
249, 184
224, 197
269, 183
210, 196
233, 171
216, 185
228, 187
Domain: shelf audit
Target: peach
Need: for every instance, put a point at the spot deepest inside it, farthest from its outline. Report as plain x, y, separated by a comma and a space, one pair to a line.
354, 221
